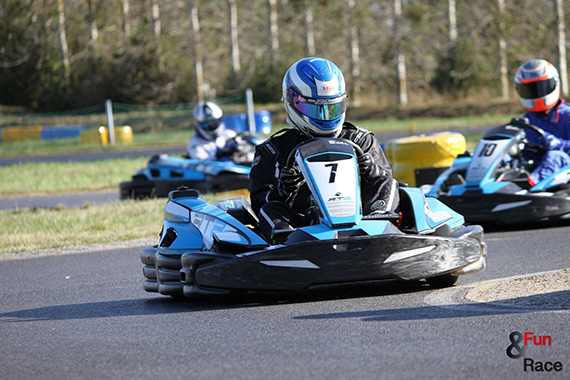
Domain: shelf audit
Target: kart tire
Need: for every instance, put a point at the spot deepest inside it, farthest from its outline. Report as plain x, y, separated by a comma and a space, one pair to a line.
442, 281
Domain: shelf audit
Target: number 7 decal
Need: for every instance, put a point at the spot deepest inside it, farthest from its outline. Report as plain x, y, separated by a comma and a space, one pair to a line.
333, 171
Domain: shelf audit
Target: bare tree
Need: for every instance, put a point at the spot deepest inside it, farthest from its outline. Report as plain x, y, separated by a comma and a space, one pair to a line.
354, 51
234, 41
126, 23
273, 31
503, 68
197, 49
64, 49
93, 30
309, 30
452, 21
559, 4
401, 74
155, 19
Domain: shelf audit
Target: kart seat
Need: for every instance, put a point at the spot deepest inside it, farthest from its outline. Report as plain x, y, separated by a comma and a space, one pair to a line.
239, 208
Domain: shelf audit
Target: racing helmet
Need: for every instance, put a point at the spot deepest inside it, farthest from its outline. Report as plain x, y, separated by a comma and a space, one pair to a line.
538, 84
314, 96
208, 118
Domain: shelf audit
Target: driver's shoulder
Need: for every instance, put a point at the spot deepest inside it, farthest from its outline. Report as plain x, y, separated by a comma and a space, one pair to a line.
353, 132
282, 141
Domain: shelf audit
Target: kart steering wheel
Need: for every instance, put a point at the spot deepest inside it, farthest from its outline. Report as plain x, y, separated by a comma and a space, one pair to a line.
291, 158
535, 148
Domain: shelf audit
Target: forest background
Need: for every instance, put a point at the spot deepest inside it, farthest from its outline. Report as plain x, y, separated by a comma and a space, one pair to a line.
67, 54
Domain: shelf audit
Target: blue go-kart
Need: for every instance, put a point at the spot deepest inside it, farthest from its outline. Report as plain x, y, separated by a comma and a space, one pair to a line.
491, 185
164, 173
209, 250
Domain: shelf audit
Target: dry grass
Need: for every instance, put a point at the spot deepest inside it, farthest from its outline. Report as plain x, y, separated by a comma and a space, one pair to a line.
36, 229
56, 177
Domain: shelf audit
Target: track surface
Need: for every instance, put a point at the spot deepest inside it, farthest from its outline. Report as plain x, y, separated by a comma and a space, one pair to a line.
86, 316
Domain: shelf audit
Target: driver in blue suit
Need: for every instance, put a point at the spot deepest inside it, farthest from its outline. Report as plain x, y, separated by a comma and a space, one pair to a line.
538, 85
314, 96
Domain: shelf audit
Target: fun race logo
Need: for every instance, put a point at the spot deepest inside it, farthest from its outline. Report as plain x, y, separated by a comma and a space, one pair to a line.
521, 344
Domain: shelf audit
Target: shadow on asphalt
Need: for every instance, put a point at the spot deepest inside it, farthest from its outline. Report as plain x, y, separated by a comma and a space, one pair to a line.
499, 227
167, 305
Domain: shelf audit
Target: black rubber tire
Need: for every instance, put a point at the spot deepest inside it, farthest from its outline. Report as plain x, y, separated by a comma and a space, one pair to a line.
442, 281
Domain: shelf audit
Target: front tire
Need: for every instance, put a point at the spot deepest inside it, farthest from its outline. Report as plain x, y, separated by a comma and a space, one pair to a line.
442, 281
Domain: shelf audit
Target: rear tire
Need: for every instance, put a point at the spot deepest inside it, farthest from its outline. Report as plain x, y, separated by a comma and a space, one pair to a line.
442, 281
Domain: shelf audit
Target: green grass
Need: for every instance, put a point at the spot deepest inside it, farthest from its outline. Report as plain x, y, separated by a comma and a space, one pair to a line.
31, 230
417, 125
58, 146
180, 137
37, 229
56, 177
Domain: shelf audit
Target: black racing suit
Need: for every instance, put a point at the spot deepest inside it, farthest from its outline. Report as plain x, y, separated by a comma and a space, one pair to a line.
378, 192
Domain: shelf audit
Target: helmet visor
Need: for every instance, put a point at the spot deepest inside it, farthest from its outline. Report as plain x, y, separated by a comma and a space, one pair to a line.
211, 125
534, 90
320, 109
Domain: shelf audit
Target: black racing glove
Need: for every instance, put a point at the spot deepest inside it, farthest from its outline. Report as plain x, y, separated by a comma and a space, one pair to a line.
365, 166
290, 181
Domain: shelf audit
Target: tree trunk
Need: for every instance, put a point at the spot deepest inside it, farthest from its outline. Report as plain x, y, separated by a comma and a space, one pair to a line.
505, 84
197, 50
126, 24
273, 31
63, 40
562, 68
155, 20
93, 30
309, 30
234, 44
354, 59
400, 59
452, 21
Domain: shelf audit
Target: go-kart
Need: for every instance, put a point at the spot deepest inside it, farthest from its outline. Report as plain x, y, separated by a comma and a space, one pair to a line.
165, 173
491, 185
208, 250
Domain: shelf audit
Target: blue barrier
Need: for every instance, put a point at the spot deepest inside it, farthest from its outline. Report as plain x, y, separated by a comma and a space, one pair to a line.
238, 122
67, 132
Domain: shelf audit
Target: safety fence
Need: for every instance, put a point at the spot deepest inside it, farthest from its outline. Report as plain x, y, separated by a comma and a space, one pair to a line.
90, 120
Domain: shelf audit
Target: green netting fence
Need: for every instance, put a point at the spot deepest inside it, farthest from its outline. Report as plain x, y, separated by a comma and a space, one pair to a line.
142, 118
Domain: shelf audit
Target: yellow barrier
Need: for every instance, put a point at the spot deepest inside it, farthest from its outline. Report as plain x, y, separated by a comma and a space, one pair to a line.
410, 155
123, 135
94, 136
22, 133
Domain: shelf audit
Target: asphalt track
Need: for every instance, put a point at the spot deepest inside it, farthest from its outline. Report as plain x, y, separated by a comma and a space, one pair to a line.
85, 316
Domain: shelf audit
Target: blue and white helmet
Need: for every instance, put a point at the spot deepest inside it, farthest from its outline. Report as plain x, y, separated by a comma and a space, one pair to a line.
314, 95
208, 118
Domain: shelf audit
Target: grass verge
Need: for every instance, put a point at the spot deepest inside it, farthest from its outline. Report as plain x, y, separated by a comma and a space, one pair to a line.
32, 230
57, 177
180, 137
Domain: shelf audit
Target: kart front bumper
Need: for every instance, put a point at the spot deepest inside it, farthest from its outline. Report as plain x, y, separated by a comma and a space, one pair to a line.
301, 265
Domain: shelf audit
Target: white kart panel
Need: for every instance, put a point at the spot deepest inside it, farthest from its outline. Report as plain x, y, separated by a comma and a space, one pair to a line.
484, 157
335, 181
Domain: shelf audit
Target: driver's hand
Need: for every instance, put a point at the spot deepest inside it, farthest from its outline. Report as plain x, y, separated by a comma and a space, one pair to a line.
552, 142
229, 149
290, 181
365, 165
